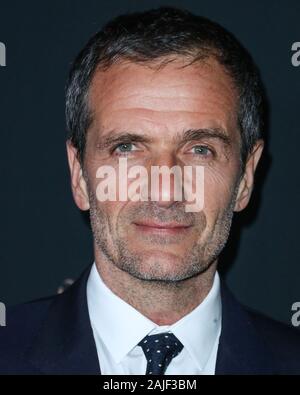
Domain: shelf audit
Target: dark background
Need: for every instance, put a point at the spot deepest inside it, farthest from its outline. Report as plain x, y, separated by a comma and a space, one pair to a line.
44, 238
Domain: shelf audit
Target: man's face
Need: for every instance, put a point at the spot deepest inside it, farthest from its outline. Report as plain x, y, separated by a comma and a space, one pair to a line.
156, 117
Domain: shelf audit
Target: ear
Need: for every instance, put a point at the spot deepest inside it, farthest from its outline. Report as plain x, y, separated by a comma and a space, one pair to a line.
247, 181
78, 183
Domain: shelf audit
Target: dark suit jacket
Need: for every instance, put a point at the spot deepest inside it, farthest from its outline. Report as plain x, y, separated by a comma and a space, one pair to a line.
54, 336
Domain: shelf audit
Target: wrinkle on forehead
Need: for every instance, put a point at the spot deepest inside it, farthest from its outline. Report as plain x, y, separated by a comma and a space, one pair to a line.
131, 92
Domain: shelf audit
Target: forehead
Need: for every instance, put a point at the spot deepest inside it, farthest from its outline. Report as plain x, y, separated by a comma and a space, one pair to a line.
164, 99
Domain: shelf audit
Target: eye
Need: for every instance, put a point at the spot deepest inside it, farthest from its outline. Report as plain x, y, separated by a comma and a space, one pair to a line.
123, 148
202, 150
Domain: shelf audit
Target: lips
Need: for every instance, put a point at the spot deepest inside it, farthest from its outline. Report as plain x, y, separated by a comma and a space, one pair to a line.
161, 227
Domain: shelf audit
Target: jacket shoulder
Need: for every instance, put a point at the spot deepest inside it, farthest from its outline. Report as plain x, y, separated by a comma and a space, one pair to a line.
22, 326
282, 340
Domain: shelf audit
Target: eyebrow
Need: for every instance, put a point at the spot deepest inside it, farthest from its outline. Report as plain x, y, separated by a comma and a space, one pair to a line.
114, 138
211, 133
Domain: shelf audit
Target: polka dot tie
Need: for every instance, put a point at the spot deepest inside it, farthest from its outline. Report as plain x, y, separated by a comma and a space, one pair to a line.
159, 351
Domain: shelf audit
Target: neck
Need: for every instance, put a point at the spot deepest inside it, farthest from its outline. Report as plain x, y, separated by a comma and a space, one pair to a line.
163, 303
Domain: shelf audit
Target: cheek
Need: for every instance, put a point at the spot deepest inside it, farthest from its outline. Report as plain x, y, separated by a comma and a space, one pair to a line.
218, 190
110, 210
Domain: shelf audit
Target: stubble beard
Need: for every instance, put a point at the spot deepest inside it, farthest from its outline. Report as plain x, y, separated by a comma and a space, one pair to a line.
197, 261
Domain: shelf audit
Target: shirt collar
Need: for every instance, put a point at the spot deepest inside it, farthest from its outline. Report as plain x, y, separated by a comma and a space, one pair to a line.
121, 327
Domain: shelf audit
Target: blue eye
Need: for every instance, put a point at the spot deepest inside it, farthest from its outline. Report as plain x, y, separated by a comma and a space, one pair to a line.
202, 150
125, 147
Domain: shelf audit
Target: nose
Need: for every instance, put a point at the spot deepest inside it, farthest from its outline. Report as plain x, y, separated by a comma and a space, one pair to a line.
165, 180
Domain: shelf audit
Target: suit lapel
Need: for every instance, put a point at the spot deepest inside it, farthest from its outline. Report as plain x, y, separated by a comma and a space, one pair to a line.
241, 349
65, 344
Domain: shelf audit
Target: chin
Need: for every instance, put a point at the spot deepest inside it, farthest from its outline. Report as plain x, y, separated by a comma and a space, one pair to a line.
162, 266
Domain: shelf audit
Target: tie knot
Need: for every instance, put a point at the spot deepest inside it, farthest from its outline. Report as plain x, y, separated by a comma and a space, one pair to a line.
159, 350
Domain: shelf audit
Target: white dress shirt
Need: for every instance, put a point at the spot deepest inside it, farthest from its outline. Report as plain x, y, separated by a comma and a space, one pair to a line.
118, 328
